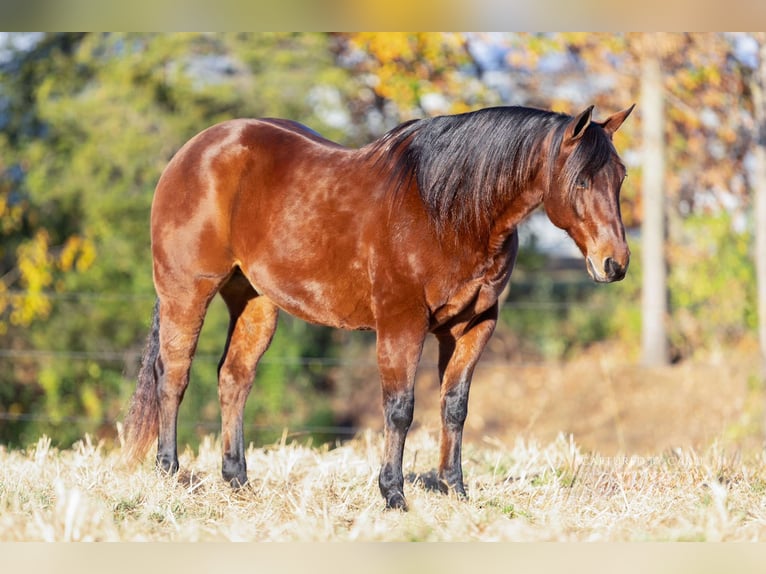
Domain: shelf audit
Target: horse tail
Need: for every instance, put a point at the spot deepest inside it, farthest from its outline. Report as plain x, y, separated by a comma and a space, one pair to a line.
141, 425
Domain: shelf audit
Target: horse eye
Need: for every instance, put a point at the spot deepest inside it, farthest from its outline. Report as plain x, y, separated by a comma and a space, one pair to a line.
583, 183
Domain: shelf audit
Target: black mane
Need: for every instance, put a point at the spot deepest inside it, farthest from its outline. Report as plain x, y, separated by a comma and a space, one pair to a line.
467, 164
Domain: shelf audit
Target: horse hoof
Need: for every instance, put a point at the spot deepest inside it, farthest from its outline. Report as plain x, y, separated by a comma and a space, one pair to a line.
236, 482
167, 464
234, 472
396, 501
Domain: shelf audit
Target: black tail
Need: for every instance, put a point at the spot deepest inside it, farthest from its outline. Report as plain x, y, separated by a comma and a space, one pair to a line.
142, 423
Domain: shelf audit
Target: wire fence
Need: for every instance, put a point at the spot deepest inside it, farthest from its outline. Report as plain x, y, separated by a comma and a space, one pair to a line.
112, 356
126, 360
207, 426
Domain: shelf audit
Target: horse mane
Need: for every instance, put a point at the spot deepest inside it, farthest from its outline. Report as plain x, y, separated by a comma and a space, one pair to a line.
468, 165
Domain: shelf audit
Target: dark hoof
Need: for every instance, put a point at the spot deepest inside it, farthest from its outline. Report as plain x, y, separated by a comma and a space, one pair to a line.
432, 481
457, 490
236, 482
396, 501
167, 464
453, 483
234, 472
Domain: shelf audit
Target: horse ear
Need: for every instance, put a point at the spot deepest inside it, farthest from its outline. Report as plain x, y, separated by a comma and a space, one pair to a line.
577, 127
613, 122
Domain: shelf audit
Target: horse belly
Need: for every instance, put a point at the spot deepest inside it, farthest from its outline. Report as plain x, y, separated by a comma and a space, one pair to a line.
325, 298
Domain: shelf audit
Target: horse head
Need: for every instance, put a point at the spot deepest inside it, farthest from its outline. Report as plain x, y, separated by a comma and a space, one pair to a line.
583, 195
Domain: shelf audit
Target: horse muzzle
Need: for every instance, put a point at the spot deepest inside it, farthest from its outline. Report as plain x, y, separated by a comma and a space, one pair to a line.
608, 272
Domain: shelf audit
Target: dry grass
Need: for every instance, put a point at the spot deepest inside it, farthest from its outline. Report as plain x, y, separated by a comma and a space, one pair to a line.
518, 492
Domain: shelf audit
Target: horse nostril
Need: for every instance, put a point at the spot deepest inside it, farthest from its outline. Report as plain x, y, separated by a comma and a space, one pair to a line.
613, 269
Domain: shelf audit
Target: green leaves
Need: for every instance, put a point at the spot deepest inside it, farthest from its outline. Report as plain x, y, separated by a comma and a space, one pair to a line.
104, 114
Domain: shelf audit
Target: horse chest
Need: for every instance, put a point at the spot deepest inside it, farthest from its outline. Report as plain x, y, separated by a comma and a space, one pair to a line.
477, 294
470, 299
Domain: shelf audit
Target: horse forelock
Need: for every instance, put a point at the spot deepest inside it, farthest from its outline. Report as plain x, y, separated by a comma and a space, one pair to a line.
467, 166
592, 154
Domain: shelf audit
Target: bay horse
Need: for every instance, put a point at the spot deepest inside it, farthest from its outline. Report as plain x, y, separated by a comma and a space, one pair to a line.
415, 233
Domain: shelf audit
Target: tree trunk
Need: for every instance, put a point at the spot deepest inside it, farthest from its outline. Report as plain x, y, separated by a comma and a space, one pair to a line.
654, 304
759, 193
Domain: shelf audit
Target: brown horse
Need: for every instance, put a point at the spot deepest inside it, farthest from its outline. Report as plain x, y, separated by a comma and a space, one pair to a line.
414, 233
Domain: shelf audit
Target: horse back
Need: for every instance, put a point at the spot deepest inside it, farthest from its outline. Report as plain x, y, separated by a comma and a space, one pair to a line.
282, 204
310, 224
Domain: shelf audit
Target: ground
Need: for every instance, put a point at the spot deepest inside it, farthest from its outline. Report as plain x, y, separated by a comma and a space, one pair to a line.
593, 449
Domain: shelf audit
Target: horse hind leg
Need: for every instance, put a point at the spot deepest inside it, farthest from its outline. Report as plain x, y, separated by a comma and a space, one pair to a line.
253, 320
181, 314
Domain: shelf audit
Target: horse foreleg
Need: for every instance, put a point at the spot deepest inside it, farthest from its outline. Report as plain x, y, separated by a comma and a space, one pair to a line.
459, 351
398, 355
253, 320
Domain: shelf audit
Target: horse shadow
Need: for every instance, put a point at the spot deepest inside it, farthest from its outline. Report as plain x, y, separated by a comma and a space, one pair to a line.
428, 481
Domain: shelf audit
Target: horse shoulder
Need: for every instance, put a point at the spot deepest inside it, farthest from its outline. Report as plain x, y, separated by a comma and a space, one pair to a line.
480, 286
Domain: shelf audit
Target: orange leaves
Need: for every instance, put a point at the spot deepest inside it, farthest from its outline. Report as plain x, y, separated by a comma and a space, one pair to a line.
387, 47
405, 68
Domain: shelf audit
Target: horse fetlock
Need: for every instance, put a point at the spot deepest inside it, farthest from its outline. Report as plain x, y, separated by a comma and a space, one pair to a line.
455, 410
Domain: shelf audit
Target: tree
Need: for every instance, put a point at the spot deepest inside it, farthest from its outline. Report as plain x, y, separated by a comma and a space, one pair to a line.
706, 143
411, 75
103, 113
758, 88
654, 302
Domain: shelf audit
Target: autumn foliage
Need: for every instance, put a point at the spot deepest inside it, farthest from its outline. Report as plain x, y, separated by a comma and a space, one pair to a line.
87, 121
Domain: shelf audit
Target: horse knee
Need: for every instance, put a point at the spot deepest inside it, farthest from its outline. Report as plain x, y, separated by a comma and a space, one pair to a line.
234, 385
399, 410
455, 409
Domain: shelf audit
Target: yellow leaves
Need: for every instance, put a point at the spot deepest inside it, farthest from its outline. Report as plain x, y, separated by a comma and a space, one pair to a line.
688, 81
527, 49
78, 252
410, 48
405, 67
386, 47
91, 401
36, 264
577, 38
4, 304
10, 216
68, 254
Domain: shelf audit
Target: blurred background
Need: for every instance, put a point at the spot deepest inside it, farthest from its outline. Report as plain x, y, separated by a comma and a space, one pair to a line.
673, 356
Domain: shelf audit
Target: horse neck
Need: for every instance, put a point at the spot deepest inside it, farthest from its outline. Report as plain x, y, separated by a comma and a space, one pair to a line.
509, 211
528, 197
512, 213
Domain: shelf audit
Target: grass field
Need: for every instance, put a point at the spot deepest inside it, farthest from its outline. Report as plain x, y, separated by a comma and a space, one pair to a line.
518, 492
594, 449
